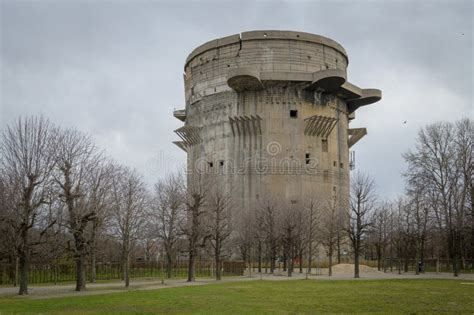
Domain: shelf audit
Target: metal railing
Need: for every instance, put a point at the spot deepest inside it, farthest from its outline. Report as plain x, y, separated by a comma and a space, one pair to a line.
60, 273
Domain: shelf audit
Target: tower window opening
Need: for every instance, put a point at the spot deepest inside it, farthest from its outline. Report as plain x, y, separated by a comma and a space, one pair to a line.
293, 113
326, 176
307, 158
211, 164
342, 165
221, 163
324, 144
334, 163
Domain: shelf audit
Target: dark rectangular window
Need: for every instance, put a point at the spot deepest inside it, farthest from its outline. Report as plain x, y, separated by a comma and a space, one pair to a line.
324, 144
334, 163
221, 163
293, 113
211, 164
326, 176
342, 165
307, 158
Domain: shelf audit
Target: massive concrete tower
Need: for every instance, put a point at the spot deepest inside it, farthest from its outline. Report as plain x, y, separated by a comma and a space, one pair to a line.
267, 114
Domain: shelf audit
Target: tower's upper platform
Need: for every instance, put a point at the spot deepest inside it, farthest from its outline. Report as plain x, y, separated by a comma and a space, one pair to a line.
266, 35
253, 60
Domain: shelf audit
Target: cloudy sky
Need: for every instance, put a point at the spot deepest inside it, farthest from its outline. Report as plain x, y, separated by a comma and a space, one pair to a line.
114, 68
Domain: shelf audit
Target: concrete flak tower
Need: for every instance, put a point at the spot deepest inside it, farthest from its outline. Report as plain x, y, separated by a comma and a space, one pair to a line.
267, 114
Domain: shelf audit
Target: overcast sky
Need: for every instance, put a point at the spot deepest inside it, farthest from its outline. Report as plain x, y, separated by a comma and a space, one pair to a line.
114, 69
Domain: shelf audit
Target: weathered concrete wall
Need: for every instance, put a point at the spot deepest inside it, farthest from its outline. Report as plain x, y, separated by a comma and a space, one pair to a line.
267, 113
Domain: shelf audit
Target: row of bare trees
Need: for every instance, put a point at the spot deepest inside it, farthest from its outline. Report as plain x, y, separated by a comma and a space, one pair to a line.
59, 193
435, 217
61, 198
275, 230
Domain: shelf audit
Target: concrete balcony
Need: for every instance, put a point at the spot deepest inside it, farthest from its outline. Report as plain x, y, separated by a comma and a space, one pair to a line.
180, 114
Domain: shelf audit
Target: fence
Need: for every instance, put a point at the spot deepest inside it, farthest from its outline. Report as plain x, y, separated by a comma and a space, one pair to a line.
386, 264
57, 273
429, 265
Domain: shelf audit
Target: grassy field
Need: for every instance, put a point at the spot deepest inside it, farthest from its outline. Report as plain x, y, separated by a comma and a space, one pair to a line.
258, 297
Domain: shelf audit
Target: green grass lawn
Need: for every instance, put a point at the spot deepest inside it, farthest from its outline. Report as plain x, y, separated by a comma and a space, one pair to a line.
257, 297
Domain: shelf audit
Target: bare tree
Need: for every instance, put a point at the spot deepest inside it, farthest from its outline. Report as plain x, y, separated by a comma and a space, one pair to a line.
464, 148
268, 224
219, 227
442, 161
27, 163
312, 217
329, 226
289, 222
54, 246
379, 232
98, 199
76, 158
259, 237
245, 233
129, 199
302, 239
168, 208
362, 201
420, 212
194, 226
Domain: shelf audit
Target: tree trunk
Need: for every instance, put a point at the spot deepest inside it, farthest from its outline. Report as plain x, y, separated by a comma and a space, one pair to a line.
259, 256
330, 261
301, 260
338, 248
379, 258
417, 261
23, 266
218, 268
169, 265
191, 266
217, 258
80, 272
356, 262
455, 252
422, 254
126, 269
290, 266
310, 258
272, 260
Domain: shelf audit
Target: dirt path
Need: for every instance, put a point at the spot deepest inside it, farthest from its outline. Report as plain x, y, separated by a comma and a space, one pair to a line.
340, 272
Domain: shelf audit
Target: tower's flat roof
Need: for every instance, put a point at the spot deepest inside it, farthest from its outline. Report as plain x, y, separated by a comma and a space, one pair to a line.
264, 35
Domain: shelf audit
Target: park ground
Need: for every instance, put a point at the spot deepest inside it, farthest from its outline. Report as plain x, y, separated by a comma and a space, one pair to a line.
373, 293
